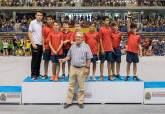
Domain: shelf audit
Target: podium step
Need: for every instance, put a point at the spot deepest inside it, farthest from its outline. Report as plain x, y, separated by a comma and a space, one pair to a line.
10, 94
154, 93
117, 91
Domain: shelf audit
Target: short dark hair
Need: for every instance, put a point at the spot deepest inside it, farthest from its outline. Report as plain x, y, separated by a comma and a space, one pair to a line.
57, 22
105, 17
38, 11
65, 22
113, 24
133, 25
50, 16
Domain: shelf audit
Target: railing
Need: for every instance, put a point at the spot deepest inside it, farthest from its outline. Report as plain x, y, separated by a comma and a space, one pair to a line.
156, 35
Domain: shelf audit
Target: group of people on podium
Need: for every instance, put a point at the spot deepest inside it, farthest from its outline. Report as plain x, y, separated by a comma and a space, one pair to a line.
59, 45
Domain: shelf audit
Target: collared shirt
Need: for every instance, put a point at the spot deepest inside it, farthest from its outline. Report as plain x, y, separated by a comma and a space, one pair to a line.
36, 28
79, 54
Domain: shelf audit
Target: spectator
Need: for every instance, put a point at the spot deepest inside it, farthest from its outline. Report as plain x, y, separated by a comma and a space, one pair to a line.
15, 45
147, 47
10, 47
5, 48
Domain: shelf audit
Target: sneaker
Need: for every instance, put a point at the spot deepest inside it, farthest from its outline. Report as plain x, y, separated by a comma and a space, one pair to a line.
118, 76
113, 75
67, 106
136, 78
63, 76
44, 77
40, 75
90, 78
52, 78
127, 78
56, 78
34, 78
94, 78
81, 106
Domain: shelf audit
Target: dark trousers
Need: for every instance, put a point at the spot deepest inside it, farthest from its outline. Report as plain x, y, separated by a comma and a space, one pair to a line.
36, 60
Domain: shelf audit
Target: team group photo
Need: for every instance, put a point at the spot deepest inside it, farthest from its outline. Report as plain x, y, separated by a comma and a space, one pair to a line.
81, 55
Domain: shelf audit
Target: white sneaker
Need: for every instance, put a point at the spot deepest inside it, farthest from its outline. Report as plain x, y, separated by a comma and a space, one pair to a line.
90, 78
94, 78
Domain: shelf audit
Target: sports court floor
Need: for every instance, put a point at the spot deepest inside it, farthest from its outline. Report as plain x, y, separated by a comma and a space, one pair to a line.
14, 69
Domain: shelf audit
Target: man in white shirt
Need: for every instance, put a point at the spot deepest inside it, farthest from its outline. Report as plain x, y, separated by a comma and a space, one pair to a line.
35, 36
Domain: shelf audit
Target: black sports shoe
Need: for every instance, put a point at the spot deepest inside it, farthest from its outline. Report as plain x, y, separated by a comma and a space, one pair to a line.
44, 77
127, 78
118, 76
136, 78
63, 76
81, 106
67, 106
